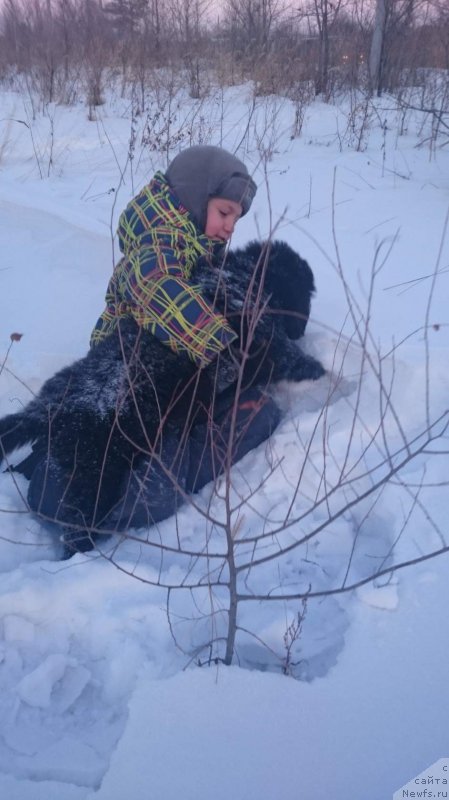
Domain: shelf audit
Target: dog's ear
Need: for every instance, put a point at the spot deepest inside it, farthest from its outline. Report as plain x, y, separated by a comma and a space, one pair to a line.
252, 251
289, 280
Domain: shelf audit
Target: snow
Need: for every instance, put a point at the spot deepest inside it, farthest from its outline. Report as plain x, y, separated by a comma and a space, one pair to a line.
262, 735
97, 700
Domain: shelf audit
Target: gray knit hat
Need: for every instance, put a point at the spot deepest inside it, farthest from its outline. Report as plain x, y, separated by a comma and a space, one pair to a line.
202, 172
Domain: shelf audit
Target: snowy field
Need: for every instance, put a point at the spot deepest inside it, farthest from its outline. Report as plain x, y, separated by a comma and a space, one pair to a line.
100, 697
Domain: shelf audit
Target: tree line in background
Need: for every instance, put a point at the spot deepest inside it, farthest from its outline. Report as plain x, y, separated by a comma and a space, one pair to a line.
67, 48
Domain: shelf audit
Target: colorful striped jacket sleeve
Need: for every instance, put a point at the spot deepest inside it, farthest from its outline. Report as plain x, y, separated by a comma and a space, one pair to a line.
163, 301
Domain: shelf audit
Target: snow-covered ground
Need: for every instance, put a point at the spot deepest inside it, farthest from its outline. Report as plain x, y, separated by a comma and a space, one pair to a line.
97, 700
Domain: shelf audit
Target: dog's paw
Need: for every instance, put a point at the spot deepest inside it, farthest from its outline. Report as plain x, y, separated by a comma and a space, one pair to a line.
306, 368
74, 542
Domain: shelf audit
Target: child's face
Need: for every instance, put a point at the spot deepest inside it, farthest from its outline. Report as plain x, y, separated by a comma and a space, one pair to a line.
222, 216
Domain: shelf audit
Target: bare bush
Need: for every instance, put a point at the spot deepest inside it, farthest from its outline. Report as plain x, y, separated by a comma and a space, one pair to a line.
267, 554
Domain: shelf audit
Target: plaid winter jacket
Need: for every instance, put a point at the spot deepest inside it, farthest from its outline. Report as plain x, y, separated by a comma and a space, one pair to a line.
160, 245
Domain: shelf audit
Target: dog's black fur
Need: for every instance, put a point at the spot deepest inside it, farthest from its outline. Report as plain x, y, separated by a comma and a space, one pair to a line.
95, 416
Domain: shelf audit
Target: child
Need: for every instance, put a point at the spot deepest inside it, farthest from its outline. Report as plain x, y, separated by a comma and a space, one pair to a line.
188, 213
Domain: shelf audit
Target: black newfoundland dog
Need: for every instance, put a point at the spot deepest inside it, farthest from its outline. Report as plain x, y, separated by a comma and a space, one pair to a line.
94, 420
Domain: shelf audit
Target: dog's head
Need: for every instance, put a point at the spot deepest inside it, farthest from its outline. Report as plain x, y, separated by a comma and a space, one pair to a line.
288, 280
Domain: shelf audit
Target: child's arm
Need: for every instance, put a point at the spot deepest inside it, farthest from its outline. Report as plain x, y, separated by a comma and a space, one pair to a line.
164, 302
